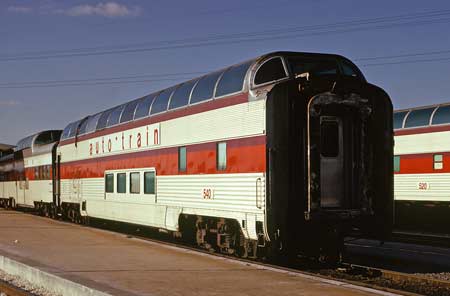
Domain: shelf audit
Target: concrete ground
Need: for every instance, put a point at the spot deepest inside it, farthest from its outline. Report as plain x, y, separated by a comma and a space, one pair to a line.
112, 263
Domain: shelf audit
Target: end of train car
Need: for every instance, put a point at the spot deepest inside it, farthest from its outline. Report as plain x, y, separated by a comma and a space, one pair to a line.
329, 151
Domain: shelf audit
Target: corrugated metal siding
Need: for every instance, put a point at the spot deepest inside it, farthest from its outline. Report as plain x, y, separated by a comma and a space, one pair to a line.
407, 187
232, 192
422, 143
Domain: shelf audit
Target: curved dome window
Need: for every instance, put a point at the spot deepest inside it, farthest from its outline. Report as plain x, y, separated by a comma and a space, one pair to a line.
114, 118
419, 117
398, 119
181, 95
232, 81
204, 90
143, 107
442, 115
161, 102
271, 70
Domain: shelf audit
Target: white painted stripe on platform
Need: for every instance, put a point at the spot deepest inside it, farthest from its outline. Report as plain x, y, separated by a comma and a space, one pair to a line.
50, 282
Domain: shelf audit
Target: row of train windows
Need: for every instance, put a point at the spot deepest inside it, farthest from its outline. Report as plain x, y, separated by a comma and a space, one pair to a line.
214, 85
422, 117
42, 172
438, 162
221, 157
134, 183
211, 86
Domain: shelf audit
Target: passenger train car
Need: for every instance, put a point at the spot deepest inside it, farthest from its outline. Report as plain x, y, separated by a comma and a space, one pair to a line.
27, 173
285, 154
422, 169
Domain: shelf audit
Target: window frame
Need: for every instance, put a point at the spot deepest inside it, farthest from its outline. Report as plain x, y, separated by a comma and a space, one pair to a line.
154, 182
106, 182
437, 111
397, 160
215, 96
412, 111
218, 167
180, 169
286, 71
172, 90
151, 98
131, 181
220, 72
196, 80
438, 162
117, 181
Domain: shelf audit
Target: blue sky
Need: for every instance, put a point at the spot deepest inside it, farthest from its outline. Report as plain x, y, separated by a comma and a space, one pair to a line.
46, 41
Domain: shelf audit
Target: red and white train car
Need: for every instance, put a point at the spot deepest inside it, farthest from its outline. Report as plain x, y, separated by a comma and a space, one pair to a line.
422, 168
286, 153
27, 173
269, 150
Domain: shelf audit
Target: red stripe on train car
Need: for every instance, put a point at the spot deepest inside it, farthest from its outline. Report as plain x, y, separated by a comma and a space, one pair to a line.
202, 107
423, 163
243, 156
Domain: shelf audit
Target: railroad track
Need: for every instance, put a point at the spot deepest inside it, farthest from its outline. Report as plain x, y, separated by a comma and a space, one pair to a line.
422, 238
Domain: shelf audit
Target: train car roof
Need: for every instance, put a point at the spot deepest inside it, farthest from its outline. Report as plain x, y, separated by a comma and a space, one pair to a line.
423, 116
4, 147
38, 139
265, 70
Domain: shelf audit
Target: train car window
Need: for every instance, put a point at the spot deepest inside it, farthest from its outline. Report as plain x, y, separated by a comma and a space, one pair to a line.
121, 183
36, 173
221, 156
44, 138
271, 70
182, 159
83, 126
92, 123
232, 80
143, 107
418, 117
396, 164
349, 70
109, 183
329, 139
103, 120
313, 66
161, 102
135, 183
204, 90
181, 95
149, 183
128, 112
442, 115
74, 128
65, 133
438, 161
114, 118
398, 119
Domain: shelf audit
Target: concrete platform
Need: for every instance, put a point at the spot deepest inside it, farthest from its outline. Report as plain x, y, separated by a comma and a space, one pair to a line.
73, 257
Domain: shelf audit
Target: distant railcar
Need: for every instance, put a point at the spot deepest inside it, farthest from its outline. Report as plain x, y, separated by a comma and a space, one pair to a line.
422, 169
27, 173
283, 154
